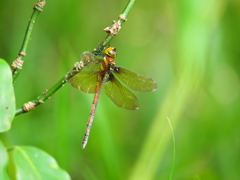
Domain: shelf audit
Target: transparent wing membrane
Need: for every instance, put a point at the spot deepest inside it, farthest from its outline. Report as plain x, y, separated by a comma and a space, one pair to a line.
85, 81
120, 95
95, 64
135, 81
87, 57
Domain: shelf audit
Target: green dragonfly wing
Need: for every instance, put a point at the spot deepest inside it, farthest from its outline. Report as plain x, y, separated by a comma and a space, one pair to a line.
85, 81
120, 95
135, 81
95, 64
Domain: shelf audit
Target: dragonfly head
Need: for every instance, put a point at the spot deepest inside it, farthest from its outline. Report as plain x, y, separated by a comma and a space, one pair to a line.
111, 52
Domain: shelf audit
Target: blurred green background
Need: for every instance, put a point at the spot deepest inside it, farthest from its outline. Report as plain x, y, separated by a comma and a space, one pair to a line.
191, 48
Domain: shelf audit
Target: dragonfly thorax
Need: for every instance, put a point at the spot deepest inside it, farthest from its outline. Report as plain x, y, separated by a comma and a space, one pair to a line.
110, 60
109, 64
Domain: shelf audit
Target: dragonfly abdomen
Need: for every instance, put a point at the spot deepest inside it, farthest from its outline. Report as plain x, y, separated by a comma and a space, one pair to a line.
92, 112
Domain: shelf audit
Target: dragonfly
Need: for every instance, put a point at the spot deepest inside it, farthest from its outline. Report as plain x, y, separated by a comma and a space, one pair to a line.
103, 72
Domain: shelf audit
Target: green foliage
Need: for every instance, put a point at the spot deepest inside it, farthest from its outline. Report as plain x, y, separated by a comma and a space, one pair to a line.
32, 163
7, 97
3, 163
29, 163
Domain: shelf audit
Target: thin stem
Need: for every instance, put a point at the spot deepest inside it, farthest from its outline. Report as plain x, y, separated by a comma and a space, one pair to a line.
127, 9
45, 96
79, 66
110, 36
17, 64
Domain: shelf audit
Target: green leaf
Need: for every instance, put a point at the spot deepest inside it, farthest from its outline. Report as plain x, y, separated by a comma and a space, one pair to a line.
3, 163
7, 97
34, 164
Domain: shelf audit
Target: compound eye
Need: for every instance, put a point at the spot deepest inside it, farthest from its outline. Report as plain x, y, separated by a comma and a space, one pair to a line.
111, 51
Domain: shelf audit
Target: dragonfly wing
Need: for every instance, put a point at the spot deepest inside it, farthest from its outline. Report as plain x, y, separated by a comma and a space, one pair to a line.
96, 64
120, 95
91, 61
135, 81
72, 73
87, 57
85, 81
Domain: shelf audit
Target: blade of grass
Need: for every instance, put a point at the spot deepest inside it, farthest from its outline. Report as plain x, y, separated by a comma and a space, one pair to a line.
194, 37
174, 149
